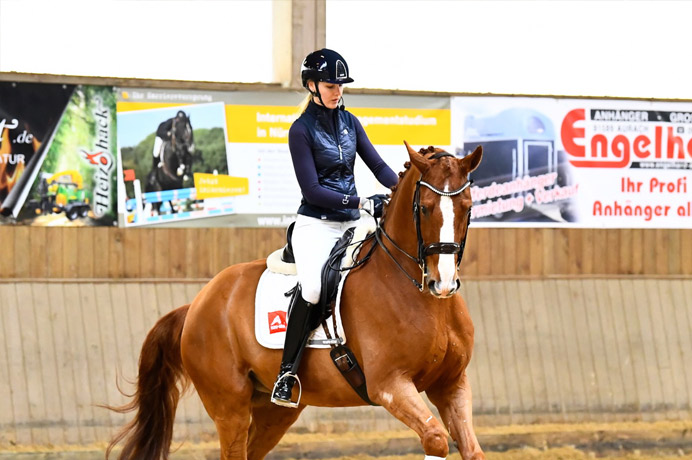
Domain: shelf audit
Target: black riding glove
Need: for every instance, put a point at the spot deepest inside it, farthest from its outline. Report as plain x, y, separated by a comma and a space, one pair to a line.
377, 204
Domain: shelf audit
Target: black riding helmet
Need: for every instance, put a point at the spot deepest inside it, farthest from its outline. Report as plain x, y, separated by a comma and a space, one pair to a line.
324, 65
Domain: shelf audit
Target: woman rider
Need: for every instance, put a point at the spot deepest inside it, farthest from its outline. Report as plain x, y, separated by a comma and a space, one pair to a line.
323, 142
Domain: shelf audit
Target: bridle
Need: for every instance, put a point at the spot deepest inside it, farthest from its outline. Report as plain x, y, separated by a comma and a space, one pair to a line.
433, 248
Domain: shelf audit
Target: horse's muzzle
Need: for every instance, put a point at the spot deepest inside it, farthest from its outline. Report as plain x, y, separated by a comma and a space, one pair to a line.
443, 292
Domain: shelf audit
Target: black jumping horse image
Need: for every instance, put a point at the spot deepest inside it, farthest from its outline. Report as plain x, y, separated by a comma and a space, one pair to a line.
173, 166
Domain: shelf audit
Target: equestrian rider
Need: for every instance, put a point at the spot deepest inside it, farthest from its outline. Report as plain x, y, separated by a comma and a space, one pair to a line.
164, 133
323, 142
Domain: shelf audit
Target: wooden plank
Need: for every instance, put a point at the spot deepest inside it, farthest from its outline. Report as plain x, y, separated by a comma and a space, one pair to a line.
37, 252
600, 249
593, 348
517, 341
8, 365
70, 250
31, 349
625, 251
7, 261
649, 368
627, 395
553, 348
508, 349
117, 343
161, 249
496, 254
661, 254
177, 253
537, 246
682, 314
660, 343
561, 251
637, 248
89, 254
48, 372
649, 250
64, 362
671, 347
528, 310
522, 250
484, 263
508, 246
146, 254
99, 380
575, 250
22, 247
587, 254
490, 310
101, 254
132, 250
478, 370
609, 354
570, 309
673, 251
547, 252
53, 249
116, 252
612, 255
685, 250
78, 363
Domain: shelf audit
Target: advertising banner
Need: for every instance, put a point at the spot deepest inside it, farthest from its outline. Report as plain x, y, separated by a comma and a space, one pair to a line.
240, 164
57, 154
578, 163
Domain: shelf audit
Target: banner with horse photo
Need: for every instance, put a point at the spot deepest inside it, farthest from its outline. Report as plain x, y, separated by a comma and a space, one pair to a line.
57, 154
174, 163
577, 162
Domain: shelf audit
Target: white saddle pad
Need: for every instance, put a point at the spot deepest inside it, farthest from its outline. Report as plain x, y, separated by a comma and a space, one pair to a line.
271, 303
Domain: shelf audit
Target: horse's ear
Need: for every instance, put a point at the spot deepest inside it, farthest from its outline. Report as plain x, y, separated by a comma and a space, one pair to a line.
418, 160
470, 162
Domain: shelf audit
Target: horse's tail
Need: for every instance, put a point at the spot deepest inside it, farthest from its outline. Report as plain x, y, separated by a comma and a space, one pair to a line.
160, 383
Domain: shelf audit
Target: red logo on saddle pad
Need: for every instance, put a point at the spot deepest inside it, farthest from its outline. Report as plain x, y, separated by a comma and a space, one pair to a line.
277, 321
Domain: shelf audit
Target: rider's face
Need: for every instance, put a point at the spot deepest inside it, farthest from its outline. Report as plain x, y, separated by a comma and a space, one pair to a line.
331, 94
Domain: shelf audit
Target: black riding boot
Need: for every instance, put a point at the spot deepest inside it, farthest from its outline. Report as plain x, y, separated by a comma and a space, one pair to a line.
297, 334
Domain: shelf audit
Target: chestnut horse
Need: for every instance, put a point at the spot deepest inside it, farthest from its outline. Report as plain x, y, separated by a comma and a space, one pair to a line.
408, 336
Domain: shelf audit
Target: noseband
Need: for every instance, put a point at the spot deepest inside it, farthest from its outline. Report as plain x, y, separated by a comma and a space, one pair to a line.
433, 248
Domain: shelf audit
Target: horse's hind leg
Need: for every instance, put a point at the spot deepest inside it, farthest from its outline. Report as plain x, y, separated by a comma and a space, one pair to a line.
269, 423
454, 404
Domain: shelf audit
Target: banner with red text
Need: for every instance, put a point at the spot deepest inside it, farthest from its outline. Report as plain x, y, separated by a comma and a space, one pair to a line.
578, 163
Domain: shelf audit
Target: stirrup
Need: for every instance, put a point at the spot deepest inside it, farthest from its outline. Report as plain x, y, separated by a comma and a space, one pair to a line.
283, 402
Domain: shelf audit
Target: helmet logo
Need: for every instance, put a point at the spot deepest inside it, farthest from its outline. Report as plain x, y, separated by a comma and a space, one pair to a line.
341, 69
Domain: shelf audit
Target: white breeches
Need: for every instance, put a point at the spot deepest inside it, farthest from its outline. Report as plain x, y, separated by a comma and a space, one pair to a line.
158, 142
313, 240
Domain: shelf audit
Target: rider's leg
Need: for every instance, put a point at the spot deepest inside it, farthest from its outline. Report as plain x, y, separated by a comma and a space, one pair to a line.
297, 333
312, 242
158, 142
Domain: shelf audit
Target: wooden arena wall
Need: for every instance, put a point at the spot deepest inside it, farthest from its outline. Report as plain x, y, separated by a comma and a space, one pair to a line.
550, 350
200, 253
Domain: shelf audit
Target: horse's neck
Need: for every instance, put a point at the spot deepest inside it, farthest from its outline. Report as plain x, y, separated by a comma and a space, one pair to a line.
399, 224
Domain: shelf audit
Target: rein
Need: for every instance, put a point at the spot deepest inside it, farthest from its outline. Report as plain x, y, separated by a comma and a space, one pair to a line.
433, 248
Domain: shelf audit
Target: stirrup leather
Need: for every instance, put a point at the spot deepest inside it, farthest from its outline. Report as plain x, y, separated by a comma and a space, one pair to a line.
289, 402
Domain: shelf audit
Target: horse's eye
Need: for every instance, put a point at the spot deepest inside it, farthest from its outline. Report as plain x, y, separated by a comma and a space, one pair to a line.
424, 210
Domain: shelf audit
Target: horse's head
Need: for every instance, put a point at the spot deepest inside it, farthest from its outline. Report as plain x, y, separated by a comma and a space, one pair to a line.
439, 187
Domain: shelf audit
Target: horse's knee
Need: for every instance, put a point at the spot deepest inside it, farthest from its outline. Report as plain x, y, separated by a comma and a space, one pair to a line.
435, 442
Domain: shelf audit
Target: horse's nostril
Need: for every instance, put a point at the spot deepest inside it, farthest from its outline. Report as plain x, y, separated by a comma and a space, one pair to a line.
431, 286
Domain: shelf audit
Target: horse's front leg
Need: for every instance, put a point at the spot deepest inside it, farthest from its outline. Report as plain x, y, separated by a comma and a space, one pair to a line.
404, 402
455, 405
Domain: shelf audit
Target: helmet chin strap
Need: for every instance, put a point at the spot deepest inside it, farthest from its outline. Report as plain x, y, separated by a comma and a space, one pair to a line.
340, 104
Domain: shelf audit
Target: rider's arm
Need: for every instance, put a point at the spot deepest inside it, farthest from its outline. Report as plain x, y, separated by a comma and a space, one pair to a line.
306, 173
372, 159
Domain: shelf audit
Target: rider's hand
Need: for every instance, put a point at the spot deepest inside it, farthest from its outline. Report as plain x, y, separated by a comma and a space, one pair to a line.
374, 204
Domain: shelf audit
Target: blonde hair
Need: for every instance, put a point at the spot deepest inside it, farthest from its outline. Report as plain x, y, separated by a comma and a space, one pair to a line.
304, 103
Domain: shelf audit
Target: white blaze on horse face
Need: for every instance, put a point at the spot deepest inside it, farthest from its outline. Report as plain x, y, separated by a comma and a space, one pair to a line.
445, 264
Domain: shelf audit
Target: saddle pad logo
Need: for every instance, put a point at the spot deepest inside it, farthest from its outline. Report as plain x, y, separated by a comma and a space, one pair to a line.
277, 321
